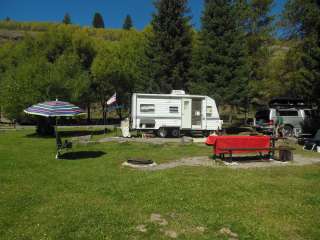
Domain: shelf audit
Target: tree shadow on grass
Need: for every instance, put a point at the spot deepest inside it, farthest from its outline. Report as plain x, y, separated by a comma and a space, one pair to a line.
81, 155
36, 135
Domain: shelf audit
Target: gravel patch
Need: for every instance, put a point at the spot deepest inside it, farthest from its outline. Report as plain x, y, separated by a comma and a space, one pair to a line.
152, 140
228, 233
141, 228
298, 160
193, 161
158, 219
171, 234
208, 162
200, 229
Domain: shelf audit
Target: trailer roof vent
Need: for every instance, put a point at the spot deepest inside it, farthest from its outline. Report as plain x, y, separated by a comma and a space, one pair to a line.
178, 92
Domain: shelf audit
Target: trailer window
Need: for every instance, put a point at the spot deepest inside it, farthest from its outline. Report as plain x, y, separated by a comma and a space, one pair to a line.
147, 108
209, 111
174, 109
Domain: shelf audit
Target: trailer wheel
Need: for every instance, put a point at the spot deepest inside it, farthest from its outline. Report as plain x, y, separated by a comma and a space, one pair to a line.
162, 132
175, 132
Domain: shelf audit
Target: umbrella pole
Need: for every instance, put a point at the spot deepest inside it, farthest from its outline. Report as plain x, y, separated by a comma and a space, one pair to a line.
56, 133
104, 119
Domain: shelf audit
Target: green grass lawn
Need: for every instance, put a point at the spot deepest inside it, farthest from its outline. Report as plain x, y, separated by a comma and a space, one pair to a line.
97, 198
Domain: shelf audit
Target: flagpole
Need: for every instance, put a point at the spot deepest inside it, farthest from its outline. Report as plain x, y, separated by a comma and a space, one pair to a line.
109, 102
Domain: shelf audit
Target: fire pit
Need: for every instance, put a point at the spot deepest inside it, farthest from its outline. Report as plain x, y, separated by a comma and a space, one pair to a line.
139, 163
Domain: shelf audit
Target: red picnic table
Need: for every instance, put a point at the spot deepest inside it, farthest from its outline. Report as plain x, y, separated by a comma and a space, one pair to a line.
239, 144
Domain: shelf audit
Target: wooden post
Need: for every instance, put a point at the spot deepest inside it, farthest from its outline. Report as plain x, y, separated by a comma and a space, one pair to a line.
285, 155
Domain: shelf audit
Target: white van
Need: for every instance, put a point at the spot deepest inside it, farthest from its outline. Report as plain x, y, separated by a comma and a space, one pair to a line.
293, 112
175, 113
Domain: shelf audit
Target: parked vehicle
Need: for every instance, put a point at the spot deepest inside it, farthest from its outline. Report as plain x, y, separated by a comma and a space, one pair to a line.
293, 112
175, 113
313, 144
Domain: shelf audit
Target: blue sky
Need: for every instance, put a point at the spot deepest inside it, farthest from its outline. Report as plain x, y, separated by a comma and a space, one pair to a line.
81, 11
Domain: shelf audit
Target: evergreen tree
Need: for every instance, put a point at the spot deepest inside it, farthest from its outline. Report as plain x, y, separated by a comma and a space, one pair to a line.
302, 18
127, 25
66, 19
170, 47
7, 19
259, 23
259, 28
98, 21
221, 61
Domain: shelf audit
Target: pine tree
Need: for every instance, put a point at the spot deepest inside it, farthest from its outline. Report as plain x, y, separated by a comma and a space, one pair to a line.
127, 25
7, 19
221, 62
259, 23
170, 47
303, 21
98, 21
66, 19
259, 28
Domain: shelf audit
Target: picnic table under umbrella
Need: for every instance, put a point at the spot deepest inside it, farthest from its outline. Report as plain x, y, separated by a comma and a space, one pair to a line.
55, 109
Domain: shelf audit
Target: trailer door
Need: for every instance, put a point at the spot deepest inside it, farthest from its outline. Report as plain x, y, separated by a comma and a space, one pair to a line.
196, 113
186, 113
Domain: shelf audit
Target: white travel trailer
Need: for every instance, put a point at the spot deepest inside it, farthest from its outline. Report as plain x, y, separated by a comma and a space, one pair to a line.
175, 113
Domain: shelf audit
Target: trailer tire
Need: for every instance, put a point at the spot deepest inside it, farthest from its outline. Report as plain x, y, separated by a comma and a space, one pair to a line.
175, 132
206, 133
163, 132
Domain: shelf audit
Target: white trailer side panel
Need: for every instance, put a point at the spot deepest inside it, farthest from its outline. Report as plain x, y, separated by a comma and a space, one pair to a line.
161, 114
134, 111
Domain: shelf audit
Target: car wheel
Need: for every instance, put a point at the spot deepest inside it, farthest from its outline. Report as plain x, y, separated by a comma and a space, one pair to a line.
175, 132
162, 132
287, 131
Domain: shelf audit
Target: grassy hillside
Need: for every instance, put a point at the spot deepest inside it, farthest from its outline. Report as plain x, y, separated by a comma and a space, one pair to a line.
11, 30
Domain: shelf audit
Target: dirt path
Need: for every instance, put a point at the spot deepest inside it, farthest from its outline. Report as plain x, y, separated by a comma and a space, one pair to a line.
207, 162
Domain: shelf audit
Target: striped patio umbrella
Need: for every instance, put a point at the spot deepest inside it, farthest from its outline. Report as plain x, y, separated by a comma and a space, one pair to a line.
54, 109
